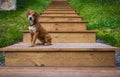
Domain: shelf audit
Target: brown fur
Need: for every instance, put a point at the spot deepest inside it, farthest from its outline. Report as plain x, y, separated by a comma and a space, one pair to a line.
40, 33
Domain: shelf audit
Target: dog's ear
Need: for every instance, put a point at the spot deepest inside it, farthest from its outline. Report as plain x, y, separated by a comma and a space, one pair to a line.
27, 13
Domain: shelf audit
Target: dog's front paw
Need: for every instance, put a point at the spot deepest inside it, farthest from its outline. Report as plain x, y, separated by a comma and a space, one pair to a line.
47, 44
31, 45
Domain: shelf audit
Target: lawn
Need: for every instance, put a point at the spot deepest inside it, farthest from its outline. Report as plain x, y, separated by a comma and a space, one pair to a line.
103, 15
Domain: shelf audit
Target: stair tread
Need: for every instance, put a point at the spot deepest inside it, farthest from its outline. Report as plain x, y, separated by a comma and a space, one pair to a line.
59, 13
82, 31
64, 22
61, 16
59, 72
61, 47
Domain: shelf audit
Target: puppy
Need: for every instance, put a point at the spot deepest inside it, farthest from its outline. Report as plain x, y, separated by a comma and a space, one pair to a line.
36, 30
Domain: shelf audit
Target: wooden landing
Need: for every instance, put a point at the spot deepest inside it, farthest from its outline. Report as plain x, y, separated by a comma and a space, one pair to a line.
61, 47
59, 72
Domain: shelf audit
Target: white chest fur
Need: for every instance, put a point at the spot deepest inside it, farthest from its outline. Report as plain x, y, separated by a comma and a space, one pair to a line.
32, 28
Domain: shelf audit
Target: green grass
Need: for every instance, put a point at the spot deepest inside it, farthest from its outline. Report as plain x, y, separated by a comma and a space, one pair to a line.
103, 15
13, 21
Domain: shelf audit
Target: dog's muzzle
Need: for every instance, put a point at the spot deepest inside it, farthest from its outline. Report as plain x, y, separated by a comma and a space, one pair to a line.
30, 17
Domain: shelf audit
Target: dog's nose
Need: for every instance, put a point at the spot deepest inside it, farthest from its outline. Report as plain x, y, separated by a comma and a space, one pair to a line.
30, 18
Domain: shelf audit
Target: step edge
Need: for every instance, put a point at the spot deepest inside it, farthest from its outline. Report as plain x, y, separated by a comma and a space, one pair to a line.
65, 68
30, 49
82, 31
11, 49
62, 16
64, 22
59, 13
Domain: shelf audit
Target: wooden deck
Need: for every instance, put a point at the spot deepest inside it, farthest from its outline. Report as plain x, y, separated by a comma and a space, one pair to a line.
59, 72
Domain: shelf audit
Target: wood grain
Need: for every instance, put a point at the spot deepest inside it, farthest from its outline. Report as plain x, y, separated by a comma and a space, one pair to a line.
61, 47
59, 12
54, 14
60, 58
64, 26
60, 18
59, 72
67, 37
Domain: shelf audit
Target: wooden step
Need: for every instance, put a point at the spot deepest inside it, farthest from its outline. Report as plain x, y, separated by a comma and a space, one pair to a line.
59, 72
66, 36
64, 26
60, 54
66, 6
59, 9
58, 2
46, 11
60, 18
59, 14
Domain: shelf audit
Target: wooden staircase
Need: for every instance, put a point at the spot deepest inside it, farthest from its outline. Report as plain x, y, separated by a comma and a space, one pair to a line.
73, 47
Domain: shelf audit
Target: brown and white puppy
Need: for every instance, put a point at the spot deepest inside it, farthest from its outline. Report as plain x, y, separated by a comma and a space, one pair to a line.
36, 30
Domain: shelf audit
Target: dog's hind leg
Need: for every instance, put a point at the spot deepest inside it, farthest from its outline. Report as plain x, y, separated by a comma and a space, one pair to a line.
48, 40
42, 40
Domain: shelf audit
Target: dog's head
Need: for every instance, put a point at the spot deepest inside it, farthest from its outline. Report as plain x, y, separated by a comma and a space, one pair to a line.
32, 15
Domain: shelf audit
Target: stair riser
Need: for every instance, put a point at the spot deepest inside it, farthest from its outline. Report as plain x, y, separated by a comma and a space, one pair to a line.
59, 12
85, 58
60, 19
59, 4
50, 14
67, 37
59, 9
64, 26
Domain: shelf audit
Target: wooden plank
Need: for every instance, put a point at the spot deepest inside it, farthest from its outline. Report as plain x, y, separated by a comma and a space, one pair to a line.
59, 0
56, 59
67, 37
61, 47
58, 14
59, 72
59, 11
60, 19
64, 26
59, 8
82, 31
